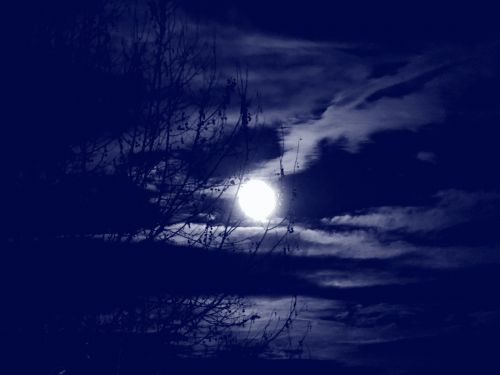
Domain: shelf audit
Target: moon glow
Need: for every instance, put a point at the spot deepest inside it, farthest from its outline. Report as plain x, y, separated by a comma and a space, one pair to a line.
257, 200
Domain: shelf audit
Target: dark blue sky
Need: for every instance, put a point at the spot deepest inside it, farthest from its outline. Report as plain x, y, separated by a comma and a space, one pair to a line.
394, 107
386, 120
383, 21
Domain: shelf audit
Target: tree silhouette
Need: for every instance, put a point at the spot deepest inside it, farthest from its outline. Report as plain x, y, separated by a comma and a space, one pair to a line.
133, 138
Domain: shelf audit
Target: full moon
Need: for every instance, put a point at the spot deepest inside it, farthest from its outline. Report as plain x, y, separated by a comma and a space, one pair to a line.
257, 200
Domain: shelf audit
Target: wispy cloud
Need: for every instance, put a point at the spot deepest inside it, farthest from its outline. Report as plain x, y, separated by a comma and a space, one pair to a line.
453, 207
356, 244
427, 156
354, 278
317, 91
324, 90
356, 121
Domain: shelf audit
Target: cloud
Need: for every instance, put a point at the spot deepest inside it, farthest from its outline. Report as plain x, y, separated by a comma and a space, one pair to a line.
368, 244
383, 233
427, 156
354, 278
352, 117
242, 237
355, 126
324, 90
314, 91
355, 244
453, 207
338, 328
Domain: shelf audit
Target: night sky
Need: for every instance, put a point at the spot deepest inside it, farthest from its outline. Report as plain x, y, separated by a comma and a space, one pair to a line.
394, 108
376, 124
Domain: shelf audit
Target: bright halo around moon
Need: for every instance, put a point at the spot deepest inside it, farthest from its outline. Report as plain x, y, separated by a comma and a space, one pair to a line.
257, 200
